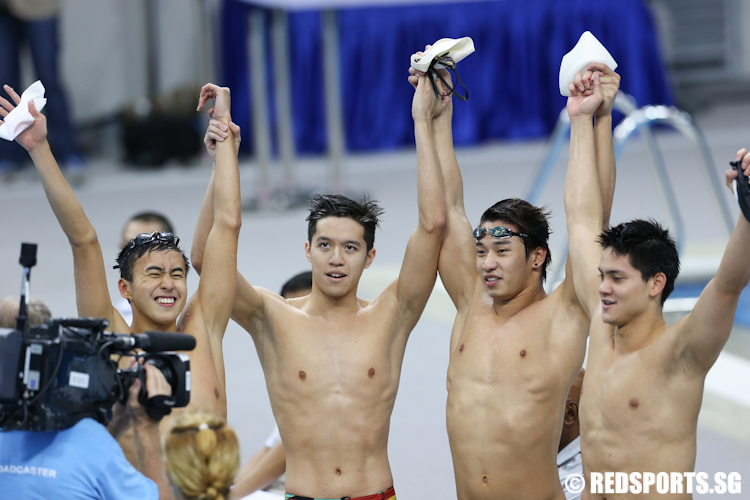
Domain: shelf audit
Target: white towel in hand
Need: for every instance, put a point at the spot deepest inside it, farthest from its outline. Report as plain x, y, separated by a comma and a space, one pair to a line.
20, 119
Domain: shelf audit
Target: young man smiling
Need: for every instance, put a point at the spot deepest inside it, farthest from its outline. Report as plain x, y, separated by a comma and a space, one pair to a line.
332, 360
153, 269
644, 380
515, 350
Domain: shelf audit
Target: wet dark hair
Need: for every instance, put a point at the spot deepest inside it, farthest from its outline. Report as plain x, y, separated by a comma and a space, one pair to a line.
302, 281
649, 248
528, 219
365, 212
130, 254
166, 226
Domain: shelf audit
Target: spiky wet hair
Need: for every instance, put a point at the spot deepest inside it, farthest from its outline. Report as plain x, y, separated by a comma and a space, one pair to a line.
529, 219
366, 212
130, 254
648, 246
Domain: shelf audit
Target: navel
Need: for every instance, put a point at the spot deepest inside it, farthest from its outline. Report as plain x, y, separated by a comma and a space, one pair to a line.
338, 472
461, 349
302, 375
633, 403
523, 353
371, 373
216, 393
484, 479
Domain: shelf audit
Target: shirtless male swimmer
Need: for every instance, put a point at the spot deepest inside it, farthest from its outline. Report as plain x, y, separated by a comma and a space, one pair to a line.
515, 351
332, 361
644, 379
153, 269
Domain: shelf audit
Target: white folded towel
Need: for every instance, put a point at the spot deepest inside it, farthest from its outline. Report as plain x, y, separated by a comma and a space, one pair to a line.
20, 119
588, 50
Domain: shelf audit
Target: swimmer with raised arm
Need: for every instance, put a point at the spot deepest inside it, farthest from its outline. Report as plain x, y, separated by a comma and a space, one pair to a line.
515, 350
332, 360
153, 269
644, 379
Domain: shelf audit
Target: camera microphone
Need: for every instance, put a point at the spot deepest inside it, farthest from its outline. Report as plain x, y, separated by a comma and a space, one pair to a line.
156, 341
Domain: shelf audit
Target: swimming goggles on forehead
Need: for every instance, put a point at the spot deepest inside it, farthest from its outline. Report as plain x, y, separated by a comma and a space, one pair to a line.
144, 238
497, 232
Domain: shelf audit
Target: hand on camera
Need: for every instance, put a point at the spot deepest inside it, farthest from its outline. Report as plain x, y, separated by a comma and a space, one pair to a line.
36, 134
156, 385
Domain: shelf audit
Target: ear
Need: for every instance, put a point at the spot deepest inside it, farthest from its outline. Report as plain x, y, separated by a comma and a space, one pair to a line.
124, 288
307, 251
571, 414
537, 257
370, 258
657, 284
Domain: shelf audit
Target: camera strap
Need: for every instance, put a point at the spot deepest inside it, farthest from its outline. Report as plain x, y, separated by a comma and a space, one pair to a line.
448, 63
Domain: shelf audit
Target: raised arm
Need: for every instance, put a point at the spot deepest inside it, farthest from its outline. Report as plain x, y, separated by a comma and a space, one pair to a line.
605, 149
706, 329
216, 290
419, 269
457, 253
92, 294
583, 203
247, 301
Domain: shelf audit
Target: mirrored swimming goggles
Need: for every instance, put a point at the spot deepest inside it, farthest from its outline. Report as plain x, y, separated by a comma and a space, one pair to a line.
142, 239
497, 232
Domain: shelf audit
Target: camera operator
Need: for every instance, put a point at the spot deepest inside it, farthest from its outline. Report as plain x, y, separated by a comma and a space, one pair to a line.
37, 312
84, 461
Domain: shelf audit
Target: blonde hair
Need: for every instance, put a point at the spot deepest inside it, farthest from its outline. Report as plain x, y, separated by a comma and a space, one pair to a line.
202, 456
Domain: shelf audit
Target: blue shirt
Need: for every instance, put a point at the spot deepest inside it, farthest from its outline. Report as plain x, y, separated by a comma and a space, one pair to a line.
83, 462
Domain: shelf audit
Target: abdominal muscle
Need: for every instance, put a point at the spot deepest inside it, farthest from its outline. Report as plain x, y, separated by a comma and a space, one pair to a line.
335, 435
504, 430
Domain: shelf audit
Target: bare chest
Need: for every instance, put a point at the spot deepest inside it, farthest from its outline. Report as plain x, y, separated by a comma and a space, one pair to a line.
507, 356
315, 359
627, 397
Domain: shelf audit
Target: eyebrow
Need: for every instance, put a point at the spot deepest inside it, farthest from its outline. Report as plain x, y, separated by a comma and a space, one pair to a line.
177, 269
611, 271
347, 242
155, 268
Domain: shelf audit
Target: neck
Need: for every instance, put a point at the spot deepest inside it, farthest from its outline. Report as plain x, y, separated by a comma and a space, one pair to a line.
143, 324
508, 307
640, 331
322, 304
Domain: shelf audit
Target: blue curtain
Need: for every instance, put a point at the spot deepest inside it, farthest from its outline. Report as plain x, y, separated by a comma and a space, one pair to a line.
512, 78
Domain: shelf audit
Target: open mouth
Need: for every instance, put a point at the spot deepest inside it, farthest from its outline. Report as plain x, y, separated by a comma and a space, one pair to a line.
607, 303
491, 281
336, 276
165, 301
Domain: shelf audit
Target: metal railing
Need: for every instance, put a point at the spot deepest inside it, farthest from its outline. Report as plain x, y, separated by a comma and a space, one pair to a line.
639, 120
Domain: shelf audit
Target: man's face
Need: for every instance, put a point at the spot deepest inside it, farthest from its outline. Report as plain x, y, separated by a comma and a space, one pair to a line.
623, 291
338, 254
502, 264
136, 227
159, 286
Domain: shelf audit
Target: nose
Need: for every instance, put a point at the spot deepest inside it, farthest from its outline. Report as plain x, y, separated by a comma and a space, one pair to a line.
489, 264
605, 288
167, 283
336, 259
